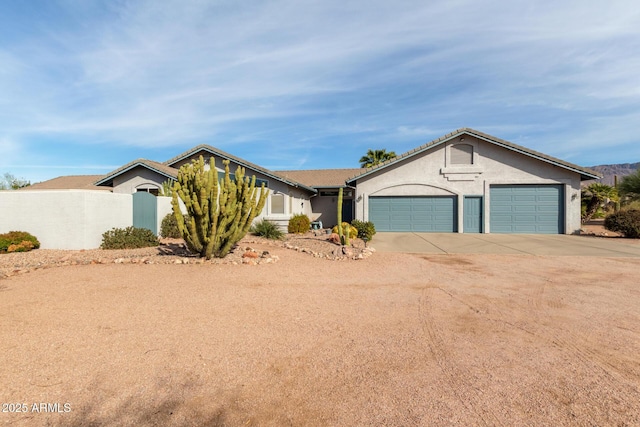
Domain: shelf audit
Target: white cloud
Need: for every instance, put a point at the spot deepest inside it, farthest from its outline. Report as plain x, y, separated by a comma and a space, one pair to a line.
150, 73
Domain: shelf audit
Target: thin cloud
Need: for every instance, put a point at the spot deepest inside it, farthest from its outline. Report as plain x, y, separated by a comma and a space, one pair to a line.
286, 75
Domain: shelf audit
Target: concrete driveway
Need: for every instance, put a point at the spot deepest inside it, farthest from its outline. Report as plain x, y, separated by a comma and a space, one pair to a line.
531, 244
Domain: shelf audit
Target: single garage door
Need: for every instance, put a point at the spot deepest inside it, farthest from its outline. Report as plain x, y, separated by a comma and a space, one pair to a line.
536, 209
428, 214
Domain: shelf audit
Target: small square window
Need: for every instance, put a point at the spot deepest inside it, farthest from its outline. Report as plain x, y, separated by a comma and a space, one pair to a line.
462, 154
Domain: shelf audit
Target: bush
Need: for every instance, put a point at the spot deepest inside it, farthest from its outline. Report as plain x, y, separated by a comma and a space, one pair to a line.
631, 205
169, 227
267, 229
128, 238
366, 229
626, 222
353, 232
299, 223
18, 241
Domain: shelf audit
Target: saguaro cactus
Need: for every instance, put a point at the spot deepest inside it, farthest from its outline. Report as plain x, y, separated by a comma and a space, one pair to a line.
219, 212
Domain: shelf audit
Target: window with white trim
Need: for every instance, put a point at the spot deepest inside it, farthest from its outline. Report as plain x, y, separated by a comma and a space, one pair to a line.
277, 204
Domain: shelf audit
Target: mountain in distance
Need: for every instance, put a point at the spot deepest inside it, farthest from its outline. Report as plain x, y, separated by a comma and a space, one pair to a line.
608, 172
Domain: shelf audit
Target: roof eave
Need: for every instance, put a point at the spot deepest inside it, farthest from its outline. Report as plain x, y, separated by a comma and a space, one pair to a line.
109, 178
584, 174
240, 162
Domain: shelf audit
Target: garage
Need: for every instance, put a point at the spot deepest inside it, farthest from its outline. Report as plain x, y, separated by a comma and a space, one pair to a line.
424, 214
534, 209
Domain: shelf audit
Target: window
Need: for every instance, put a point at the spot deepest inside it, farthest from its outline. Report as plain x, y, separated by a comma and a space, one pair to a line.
334, 193
153, 191
277, 203
462, 154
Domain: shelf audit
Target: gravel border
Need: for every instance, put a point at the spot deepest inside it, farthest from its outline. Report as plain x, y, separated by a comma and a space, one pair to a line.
252, 250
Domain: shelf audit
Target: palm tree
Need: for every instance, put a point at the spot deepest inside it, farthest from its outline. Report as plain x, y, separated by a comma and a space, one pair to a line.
375, 157
630, 185
597, 196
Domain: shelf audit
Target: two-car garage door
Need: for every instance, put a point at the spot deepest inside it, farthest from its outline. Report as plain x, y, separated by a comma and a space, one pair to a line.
535, 209
426, 214
514, 209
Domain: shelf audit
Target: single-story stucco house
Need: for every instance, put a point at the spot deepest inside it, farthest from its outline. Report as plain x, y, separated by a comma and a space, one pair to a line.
463, 182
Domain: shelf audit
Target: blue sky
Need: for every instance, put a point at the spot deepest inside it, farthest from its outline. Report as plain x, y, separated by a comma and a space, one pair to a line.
87, 86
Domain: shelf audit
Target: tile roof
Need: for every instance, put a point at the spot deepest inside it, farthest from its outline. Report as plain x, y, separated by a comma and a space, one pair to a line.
585, 173
69, 182
217, 152
161, 168
321, 177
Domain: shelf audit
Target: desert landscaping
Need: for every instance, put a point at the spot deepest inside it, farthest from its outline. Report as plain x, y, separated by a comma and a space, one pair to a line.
391, 339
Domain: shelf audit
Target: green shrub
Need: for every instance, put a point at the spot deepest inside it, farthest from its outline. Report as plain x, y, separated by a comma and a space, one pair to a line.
366, 229
267, 229
18, 241
353, 232
626, 222
631, 205
169, 227
299, 223
128, 238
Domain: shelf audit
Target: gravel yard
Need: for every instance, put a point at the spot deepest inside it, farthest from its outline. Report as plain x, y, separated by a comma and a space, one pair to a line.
392, 339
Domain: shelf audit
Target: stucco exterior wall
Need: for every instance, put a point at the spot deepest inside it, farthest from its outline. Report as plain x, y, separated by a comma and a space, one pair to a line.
432, 174
65, 219
138, 177
325, 208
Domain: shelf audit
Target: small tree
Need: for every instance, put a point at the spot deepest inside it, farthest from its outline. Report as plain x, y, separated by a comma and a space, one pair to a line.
220, 213
630, 185
375, 157
10, 182
597, 196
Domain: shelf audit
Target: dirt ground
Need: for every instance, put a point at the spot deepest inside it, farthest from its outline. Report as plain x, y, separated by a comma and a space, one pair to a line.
394, 340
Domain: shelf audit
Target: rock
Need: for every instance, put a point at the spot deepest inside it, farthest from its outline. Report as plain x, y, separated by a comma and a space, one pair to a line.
248, 261
360, 256
265, 254
185, 260
334, 238
178, 261
347, 251
250, 254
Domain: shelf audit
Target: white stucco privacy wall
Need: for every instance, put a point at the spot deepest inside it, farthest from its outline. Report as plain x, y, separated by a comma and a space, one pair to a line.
164, 208
65, 219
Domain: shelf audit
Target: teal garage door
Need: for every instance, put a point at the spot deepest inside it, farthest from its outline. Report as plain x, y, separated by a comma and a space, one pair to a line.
426, 214
535, 209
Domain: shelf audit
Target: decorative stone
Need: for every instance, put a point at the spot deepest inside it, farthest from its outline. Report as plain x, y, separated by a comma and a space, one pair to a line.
250, 254
334, 238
